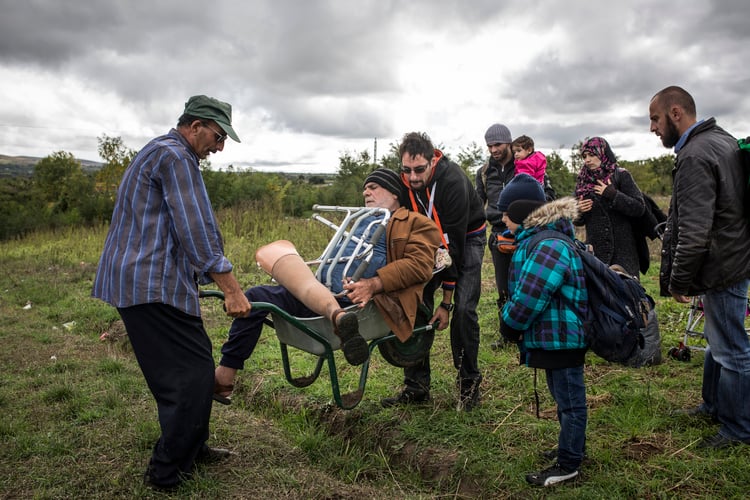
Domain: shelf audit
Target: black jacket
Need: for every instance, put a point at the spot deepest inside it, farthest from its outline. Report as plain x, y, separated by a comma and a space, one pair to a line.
609, 223
458, 206
491, 180
707, 240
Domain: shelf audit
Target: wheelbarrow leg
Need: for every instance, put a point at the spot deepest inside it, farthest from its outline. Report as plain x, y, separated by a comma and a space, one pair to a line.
299, 381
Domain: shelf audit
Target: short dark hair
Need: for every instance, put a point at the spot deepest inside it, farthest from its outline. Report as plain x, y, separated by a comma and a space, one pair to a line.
415, 144
674, 95
523, 141
187, 119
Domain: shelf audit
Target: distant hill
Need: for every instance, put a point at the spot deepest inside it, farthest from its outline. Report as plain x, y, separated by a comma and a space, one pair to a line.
12, 166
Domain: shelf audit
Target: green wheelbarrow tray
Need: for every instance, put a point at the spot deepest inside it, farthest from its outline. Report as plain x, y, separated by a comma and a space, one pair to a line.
315, 336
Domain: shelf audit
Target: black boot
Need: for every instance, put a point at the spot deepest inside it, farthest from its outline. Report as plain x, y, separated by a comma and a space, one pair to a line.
500, 342
407, 396
470, 395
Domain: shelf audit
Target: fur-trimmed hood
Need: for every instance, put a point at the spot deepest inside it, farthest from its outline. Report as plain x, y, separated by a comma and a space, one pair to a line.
561, 208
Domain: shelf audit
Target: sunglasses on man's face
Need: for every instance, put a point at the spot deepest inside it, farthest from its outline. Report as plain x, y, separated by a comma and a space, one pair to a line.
417, 170
219, 137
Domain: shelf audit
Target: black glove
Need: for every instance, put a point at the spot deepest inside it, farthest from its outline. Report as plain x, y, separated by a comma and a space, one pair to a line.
511, 334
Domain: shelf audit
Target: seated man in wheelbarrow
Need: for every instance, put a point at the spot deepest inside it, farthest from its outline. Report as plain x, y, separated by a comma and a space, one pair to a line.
402, 263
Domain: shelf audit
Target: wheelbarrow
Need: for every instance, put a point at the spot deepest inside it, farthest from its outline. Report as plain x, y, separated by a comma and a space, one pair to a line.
315, 336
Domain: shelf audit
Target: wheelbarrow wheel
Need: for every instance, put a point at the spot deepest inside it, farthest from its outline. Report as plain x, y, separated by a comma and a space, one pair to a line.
413, 351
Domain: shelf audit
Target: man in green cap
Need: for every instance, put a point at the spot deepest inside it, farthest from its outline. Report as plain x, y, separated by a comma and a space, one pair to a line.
163, 242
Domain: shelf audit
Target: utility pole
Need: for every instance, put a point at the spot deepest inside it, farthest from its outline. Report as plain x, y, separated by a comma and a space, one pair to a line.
375, 152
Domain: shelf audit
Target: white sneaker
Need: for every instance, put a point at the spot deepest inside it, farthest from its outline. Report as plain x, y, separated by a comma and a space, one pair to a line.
553, 475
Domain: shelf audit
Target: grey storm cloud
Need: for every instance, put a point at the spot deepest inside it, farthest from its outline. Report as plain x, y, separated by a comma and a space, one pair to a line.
339, 70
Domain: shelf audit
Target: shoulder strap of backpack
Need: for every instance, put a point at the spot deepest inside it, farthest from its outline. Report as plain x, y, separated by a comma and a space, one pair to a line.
483, 175
547, 234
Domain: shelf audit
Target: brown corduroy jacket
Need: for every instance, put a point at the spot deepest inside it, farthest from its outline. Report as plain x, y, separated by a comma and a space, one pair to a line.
412, 241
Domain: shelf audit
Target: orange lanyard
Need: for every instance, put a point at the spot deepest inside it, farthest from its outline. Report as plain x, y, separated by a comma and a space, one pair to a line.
433, 215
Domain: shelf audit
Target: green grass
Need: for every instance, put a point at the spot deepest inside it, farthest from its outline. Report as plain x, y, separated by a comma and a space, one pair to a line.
79, 422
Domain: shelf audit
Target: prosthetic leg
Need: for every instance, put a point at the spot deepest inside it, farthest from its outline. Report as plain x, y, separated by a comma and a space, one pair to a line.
281, 260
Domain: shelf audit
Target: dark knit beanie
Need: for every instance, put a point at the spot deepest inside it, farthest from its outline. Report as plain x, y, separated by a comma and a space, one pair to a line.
497, 134
521, 187
520, 209
387, 179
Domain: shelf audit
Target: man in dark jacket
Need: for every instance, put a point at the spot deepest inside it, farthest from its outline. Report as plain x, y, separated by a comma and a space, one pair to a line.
491, 179
439, 189
706, 245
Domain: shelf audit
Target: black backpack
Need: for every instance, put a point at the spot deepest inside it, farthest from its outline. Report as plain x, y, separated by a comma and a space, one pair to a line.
649, 225
618, 306
745, 160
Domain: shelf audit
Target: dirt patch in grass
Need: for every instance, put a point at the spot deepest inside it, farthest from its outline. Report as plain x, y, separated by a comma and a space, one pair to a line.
438, 468
641, 450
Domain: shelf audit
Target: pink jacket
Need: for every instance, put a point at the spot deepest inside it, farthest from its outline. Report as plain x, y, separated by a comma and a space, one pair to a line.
535, 165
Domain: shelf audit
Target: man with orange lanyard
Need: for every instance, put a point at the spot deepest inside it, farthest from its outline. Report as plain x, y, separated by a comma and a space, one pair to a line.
439, 189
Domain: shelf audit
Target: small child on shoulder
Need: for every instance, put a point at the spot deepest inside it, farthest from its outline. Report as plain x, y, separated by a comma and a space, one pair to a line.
527, 160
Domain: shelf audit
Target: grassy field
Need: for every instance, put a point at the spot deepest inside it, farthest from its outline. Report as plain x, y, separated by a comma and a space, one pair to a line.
79, 422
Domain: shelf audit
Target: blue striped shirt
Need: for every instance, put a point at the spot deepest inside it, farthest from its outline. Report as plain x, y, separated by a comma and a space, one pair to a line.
163, 237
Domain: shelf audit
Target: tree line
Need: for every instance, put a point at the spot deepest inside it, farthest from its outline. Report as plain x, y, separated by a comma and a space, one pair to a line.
60, 193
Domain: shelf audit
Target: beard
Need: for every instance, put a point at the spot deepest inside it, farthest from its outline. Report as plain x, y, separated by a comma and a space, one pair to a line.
670, 136
501, 158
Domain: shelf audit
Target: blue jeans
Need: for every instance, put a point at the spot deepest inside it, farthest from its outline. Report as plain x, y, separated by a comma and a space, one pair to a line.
567, 388
726, 373
464, 321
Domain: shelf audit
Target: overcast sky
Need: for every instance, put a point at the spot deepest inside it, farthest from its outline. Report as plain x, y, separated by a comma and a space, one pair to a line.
309, 80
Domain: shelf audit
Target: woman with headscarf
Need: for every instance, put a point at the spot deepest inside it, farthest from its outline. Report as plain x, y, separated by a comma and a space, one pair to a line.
608, 199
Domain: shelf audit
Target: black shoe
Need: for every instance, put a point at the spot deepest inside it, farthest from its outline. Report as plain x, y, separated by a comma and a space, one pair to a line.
406, 397
470, 402
210, 455
696, 411
471, 396
718, 442
164, 488
551, 476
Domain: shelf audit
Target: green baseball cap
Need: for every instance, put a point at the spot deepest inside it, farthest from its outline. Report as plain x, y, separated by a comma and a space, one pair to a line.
212, 109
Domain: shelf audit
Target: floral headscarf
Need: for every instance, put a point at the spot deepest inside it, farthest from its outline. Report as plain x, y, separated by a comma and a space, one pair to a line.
588, 178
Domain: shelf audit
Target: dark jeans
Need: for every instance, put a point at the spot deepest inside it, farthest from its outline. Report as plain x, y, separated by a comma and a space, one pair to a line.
569, 392
245, 332
726, 373
501, 263
464, 327
174, 353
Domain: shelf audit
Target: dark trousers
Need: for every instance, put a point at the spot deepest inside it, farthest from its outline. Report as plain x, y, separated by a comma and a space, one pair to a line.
174, 353
464, 327
245, 332
501, 264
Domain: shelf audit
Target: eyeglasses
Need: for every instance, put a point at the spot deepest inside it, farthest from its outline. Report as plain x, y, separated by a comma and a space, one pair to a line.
219, 137
417, 170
